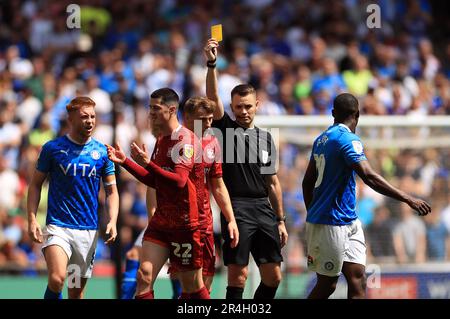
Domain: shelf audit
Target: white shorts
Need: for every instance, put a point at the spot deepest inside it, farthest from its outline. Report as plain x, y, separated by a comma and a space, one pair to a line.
139, 239
79, 246
330, 246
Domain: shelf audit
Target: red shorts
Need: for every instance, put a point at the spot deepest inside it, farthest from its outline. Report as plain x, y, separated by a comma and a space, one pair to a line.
184, 245
209, 257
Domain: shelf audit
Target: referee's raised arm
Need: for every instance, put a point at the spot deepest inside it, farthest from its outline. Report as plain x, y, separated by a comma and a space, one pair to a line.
212, 90
256, 197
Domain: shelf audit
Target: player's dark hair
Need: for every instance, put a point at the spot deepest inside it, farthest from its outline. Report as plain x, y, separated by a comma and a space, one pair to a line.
195, 103
345, 105
167, 96
78, 102
243, 90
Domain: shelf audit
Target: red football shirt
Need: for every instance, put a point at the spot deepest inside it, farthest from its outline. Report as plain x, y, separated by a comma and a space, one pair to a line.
212, 165
178, 208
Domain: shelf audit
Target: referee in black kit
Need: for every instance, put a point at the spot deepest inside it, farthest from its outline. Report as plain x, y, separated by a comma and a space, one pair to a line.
249, 158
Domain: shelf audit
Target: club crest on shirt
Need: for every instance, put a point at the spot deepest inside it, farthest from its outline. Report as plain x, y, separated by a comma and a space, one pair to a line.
188, 150
95, 154
210, 153
357, 146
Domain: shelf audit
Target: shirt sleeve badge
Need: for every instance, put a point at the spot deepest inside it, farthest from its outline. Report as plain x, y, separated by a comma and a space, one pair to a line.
188, 150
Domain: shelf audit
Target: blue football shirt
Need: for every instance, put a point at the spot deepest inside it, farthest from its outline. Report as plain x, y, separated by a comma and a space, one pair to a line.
334, 199
74, 173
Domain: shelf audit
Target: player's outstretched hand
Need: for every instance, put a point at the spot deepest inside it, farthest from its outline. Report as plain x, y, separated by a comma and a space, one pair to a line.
140, 155
35, 232
234, 233
210, 50
283, 233
421, 206
111, 230
116, 153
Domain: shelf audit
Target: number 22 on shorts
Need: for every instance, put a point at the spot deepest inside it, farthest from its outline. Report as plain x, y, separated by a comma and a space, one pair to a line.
187, 249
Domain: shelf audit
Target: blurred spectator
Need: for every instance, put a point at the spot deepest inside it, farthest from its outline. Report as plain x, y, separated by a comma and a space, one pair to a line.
137, 219
380, 236
9, 185
43, 133
438, 237
430, 64
409, 237
268, 107
330, 80
302, 88
10, 134
103, 104
367, 201
359, 77
20, 68
29, 110
295, 221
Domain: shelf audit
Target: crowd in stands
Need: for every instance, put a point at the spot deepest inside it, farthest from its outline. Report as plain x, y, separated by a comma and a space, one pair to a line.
298, 54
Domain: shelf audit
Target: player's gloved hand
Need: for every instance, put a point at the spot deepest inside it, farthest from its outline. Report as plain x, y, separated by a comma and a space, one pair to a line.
283, 233
234, 233
421, 206
140, 155
210, 50
34, 231
111, 230
116, 154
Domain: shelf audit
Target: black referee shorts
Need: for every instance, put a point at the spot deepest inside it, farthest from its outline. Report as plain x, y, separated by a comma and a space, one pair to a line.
258, 233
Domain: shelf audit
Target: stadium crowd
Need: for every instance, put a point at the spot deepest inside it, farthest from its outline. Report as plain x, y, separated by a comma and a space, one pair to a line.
298, 54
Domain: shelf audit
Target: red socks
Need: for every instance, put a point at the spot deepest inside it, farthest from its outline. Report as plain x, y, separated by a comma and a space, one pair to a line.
146, 295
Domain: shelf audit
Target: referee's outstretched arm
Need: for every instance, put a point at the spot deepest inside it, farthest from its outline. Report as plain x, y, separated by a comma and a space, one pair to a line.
212, 91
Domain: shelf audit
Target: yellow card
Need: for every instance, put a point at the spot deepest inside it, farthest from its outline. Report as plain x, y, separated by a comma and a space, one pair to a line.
216, 32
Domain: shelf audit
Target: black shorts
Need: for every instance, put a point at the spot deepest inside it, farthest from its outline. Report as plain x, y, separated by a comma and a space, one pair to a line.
258, 233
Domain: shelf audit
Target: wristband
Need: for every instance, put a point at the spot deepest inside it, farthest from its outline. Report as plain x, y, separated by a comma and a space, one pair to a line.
211, 64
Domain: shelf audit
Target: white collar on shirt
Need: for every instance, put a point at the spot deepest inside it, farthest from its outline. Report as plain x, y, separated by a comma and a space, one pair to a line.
345, 126
72, 140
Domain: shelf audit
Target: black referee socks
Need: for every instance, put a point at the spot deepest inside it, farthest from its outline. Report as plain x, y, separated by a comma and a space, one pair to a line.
265, 292
234, 292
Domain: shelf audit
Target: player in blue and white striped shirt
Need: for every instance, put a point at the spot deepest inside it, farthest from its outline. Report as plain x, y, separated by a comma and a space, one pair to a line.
335, 239
74, 164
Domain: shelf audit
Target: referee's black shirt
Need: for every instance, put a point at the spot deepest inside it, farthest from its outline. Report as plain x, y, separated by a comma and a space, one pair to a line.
248, 156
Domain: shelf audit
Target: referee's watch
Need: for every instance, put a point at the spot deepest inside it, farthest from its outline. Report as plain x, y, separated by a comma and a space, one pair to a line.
281, 219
